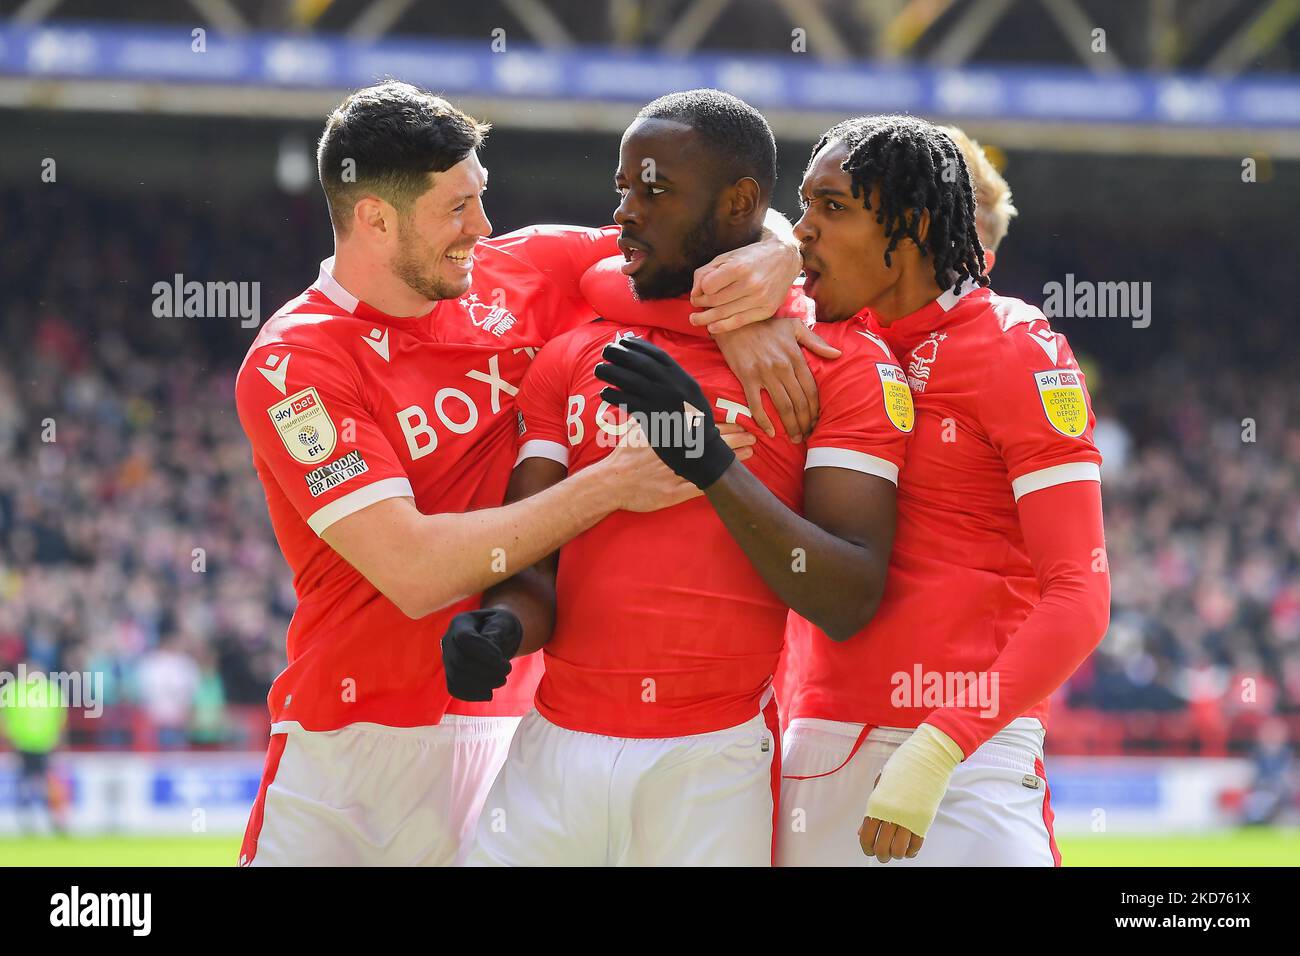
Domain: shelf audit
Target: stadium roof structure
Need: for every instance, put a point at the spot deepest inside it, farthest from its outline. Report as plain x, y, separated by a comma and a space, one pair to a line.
1222, 37
1167, 76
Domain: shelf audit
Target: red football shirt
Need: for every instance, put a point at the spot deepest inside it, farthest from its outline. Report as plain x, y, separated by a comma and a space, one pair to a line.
1001, 411
663, 627
346, 406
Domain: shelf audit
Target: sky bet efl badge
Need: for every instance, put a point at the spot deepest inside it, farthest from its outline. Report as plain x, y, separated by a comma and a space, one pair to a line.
898, 396
304, 426
1061, 390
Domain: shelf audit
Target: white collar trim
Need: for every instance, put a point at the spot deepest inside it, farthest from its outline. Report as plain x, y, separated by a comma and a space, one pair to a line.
332, 290
952, 296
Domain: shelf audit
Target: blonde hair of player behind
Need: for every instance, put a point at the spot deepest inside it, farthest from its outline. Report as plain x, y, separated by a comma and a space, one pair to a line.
993, 206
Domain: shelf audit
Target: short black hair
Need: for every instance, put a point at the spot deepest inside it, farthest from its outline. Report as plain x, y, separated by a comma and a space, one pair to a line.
917, 167
395, 134
735, 132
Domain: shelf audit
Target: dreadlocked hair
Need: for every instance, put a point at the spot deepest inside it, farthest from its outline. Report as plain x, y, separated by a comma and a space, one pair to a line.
917, 167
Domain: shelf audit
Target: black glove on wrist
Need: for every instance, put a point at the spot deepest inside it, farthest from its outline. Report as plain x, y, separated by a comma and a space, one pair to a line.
476, 652
647, 381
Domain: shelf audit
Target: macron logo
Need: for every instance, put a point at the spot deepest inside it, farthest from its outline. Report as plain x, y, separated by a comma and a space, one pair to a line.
1046, 340
276, 370
377, 342
103, 909
879, 341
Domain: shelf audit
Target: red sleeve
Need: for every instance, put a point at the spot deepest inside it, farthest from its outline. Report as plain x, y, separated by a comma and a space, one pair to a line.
609, 292
564, 254
1063, 532
307, 419
1036, 410
561, 253
866, 407
548, 418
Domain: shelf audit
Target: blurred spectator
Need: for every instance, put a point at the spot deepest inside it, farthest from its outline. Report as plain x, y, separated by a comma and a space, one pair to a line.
1113, 441
32, 718
167, 681
208, 725
1273, 790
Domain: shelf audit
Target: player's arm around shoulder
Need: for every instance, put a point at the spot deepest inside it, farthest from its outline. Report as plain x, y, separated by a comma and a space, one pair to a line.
740, 286
562, 252
751, 284
769, 357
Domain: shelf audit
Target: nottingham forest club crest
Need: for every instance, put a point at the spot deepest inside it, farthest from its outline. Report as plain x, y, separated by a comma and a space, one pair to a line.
922, 357
496, 319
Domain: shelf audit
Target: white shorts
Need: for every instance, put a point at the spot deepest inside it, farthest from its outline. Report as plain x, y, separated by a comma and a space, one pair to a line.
997, 811
371, 795
566, 798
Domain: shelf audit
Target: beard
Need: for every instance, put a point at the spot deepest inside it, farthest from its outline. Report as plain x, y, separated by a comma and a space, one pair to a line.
417, 266
699, 247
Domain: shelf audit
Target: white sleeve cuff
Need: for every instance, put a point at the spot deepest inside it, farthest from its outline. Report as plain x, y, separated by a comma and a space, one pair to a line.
542, 448
354, 501
853, 461
1056, 475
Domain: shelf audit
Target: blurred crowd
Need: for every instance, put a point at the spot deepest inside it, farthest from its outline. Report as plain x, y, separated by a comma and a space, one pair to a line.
1203, 538
134, 540
1208, 524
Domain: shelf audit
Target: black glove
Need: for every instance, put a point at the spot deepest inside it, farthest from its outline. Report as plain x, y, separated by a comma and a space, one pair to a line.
476, 651
647, 381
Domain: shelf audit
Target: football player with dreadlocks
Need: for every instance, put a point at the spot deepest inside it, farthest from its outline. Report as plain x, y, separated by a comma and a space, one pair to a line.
933, 716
